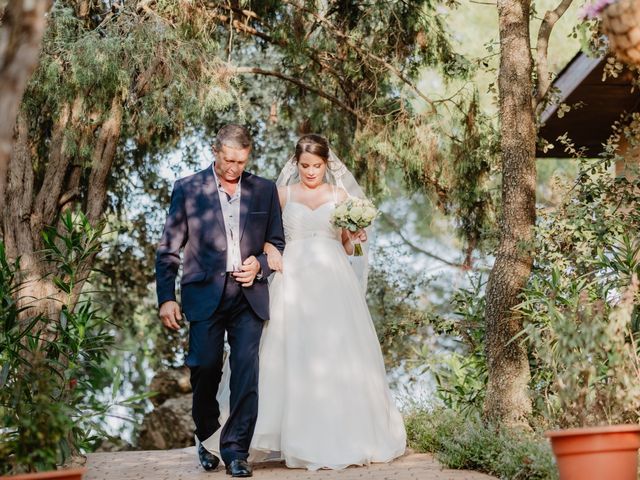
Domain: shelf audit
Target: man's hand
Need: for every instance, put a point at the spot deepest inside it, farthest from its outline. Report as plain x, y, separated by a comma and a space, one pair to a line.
250, 268
170, 315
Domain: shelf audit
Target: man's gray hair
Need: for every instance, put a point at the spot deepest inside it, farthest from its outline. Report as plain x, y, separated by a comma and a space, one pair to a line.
234, 136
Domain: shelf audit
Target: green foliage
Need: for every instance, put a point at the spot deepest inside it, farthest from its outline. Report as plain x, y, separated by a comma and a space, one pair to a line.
98, 62
365, 58
368, 60
451, 157
396, 304
457, 359
474, 155
53, 369
581, 302
33, 427
466, 442
71, 250
461, 372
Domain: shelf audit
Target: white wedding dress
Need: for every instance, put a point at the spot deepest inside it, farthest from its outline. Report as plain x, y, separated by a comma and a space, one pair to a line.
324, 401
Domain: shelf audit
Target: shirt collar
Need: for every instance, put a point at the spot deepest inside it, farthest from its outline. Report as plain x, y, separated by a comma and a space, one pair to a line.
220, 188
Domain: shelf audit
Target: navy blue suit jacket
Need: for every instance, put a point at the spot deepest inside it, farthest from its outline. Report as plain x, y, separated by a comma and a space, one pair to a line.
195, 225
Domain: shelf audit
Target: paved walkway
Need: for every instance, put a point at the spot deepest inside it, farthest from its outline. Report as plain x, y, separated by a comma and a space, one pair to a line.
182, 465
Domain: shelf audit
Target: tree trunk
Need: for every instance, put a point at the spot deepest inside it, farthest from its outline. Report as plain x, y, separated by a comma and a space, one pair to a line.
29, 208
507, 399
104, 152
20, 40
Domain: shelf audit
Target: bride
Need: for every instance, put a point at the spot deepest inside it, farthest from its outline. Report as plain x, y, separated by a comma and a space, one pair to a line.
323, 397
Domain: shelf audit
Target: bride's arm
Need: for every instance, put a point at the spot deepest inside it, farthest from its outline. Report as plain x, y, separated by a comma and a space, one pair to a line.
348, 238
274, 257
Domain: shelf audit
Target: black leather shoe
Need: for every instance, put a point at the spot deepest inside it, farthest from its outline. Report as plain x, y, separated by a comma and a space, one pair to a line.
207, 459
239, 468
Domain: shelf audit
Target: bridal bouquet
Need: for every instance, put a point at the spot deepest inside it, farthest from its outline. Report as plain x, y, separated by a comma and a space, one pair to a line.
354, 214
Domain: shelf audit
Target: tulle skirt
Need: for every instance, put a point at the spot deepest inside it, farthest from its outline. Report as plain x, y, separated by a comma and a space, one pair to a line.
324, 401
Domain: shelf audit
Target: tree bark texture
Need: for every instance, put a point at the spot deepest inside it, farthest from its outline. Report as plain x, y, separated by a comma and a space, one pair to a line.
49, 171
21, 35
33, 202
507, 399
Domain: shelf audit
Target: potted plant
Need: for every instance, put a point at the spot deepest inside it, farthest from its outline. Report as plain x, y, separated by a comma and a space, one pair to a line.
582, 320
607, 397
52, 361
587, 344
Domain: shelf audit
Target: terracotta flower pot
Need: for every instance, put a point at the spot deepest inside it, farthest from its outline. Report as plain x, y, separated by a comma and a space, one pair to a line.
68, 474
599, 453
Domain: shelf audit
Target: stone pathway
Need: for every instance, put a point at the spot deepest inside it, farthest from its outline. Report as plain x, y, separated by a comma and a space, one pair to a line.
182, 464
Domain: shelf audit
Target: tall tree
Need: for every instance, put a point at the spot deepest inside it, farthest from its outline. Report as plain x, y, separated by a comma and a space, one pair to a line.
507, 399
22, 25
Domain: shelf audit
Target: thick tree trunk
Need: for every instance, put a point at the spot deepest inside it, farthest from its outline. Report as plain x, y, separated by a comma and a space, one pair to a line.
21, 35
507, 400
104, 152
29, 208
20, 235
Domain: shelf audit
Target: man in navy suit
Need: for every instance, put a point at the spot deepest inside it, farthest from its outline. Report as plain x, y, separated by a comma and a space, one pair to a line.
221, 218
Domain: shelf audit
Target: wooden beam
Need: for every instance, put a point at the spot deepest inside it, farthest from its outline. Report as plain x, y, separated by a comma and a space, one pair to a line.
570, 78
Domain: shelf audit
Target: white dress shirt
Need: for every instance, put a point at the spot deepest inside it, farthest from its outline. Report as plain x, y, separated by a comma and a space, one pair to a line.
230, 205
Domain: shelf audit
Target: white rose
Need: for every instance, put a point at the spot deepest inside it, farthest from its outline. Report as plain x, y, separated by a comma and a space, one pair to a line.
370, 213
356, 213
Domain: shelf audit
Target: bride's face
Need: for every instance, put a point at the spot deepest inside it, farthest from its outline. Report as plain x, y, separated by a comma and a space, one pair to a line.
311, 169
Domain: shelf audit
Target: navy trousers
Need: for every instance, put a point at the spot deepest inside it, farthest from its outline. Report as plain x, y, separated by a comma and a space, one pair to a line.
206, 347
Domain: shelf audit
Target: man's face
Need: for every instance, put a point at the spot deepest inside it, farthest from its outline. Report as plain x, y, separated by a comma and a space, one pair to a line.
230, 162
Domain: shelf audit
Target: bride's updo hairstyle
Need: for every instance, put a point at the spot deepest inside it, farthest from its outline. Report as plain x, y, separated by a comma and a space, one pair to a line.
313, 144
